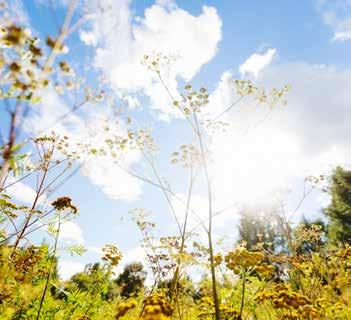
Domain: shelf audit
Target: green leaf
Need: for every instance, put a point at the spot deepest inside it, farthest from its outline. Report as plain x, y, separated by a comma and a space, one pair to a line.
17, 147
77, 249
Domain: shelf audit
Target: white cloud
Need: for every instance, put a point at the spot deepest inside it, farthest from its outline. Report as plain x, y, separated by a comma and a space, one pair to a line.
252, 166
21, 191
88, 38
120, 41
15, 12
136, 254
165, 28
198, 208
318, 110
52, 110
336, 14
222, 97
102, 170
131, 101
67, 268
96, 250
114, 182
343, 30
257, 62
71, 231
89, 128
263, 152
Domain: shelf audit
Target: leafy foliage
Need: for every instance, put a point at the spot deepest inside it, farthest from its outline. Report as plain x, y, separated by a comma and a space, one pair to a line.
131, 280
339, 211
275, 271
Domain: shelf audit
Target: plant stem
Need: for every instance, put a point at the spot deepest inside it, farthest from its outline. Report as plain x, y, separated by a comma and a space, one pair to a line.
27, 220
242, 295
50, 269
183, 237
7, 153
210, 216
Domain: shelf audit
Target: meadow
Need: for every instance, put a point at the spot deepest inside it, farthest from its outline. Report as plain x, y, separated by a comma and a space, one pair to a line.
277, 267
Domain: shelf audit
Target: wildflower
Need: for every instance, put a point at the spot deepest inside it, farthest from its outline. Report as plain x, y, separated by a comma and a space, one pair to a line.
35, 51
112, 255
217, 259
20, 85
65, 67
69, 85
292, 304
157, 308
52, 43
63, 203
15, 67
242, 258
265, 270
188, 156
14, 36
124, 307
207, 309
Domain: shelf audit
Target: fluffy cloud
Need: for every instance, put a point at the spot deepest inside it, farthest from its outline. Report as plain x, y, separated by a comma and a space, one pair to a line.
198, 209
318, 110
21, 191
257, 62
264, 152
71, 231
113, 181
336, 14
89, 128
122, 42
14, 10
341, 28
67, 268
136, 254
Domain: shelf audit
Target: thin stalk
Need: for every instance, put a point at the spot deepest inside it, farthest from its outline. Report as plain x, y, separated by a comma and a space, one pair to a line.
229, 108
242, 295
50, 269
210, 216
164, 191
27, 220
174, 100
7, 153
183, 237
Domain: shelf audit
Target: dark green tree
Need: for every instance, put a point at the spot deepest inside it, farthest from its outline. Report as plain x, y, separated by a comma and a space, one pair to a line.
339, 211
260, 227
131, 280
96, 280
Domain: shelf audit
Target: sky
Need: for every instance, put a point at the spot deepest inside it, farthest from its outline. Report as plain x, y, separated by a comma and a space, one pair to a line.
264, 155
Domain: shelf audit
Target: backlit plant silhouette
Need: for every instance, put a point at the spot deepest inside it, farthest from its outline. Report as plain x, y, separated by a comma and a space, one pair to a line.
284, 272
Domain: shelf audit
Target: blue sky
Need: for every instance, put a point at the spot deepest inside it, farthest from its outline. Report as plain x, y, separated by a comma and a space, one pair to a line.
306, 44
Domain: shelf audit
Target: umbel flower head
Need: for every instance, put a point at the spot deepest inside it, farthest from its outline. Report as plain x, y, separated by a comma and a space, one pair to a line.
242, 258
64, 203
292, 304
157, 307
112, 255
124, 307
